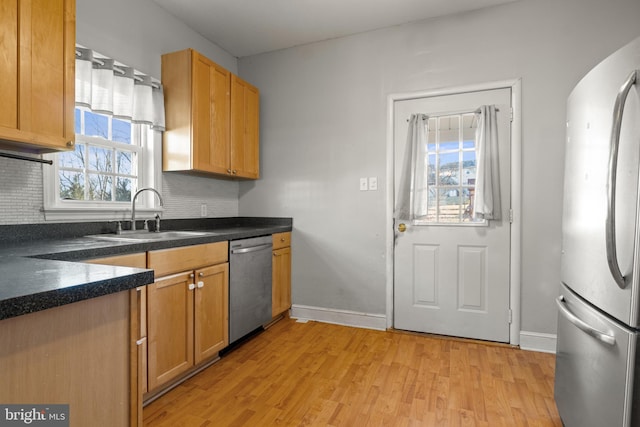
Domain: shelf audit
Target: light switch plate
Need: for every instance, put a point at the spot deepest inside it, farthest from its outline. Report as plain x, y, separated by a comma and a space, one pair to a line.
364, 186
373, 183
203, 210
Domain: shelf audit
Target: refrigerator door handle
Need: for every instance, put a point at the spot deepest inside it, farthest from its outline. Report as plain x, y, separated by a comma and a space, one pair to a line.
610, 228
584, 326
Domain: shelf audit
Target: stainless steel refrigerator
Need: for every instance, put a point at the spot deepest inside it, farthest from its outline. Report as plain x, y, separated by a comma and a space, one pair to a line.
597, 381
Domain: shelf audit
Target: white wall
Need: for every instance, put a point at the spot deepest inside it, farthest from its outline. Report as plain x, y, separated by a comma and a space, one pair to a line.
136, 33
323, 125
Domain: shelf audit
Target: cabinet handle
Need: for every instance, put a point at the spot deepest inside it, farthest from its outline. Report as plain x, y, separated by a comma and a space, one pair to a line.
192, 286
200, 284
141, 340
71, 144
234, 172
201, 274
282, 239
228, 170
192, 275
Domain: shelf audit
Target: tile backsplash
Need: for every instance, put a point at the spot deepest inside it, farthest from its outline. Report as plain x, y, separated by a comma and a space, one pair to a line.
21, 194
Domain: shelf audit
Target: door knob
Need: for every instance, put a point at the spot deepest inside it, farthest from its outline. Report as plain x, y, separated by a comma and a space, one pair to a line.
402, 227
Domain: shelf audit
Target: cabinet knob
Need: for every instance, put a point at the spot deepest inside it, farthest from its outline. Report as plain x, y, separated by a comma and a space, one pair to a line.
234, 172
282, 239
71, 144
192, 275
228, 170
201, 274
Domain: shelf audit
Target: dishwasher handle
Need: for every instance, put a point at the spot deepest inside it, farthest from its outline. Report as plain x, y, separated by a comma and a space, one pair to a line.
584, 326
251, 248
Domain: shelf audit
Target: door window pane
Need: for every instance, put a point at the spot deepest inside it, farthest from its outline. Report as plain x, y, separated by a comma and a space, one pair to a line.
451, 160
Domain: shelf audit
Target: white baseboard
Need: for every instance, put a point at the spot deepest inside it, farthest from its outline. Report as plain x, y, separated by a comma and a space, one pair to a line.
536, 341
532, 341
340, 317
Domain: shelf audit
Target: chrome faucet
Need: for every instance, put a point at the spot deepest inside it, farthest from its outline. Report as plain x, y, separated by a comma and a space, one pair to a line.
133, 207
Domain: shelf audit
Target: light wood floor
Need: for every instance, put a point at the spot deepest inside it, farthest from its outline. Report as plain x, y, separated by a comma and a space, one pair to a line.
316, 374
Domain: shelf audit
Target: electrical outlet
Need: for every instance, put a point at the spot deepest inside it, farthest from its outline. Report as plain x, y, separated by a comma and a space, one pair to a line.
364, 186
203, 209
373, 183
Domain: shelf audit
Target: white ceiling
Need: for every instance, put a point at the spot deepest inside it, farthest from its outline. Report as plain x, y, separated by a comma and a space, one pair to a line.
248, 27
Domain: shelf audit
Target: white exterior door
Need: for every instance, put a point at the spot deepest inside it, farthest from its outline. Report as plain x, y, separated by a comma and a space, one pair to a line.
451, 273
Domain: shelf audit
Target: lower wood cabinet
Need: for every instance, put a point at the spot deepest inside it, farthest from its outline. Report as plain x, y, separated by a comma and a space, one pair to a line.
76, 354
188, 321
281, 274
188, 312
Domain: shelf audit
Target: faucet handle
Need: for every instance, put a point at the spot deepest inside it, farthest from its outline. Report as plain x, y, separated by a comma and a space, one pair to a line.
157, 223
146, 225
118, 227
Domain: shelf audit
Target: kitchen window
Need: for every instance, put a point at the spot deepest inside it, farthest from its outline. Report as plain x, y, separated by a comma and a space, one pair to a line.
119, 117
112, 159
104, 165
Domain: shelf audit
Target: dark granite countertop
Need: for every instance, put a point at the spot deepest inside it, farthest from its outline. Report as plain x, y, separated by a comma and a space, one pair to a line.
41, 264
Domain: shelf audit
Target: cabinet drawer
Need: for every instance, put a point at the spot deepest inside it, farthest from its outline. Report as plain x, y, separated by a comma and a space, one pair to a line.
281, 240
174, 260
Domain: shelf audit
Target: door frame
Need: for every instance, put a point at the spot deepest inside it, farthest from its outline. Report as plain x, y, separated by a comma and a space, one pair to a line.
516, 191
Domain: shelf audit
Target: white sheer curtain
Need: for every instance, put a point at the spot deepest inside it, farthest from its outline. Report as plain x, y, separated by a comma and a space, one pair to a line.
412, 196
109, 88
486, 203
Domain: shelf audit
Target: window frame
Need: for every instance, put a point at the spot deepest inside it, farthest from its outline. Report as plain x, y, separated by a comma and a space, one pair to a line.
437, 186
149, 175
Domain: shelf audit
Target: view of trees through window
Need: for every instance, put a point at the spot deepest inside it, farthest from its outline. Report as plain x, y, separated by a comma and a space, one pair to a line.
104, 164
451, 168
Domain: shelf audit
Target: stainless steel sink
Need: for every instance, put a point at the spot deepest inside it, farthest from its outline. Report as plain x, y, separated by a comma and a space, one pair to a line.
142, 236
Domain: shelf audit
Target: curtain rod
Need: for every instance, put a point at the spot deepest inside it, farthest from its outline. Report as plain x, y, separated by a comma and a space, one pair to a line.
119, 70
28, 159
452, 113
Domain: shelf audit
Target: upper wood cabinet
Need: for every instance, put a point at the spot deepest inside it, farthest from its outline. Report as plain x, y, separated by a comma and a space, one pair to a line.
37, 65
245, 123
211, 118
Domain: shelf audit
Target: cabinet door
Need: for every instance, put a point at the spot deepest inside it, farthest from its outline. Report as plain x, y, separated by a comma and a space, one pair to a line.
245, 100
170, 328
211, 104
37, 64
281, 293
211, 311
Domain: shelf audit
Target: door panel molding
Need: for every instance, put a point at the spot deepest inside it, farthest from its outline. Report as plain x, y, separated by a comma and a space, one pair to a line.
425, 273
473, 280
516, 186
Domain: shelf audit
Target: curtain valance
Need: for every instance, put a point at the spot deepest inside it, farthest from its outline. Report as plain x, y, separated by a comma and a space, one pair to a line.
109, 88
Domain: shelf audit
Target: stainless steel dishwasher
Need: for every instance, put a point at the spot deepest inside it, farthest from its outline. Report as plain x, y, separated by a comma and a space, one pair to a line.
249, 285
